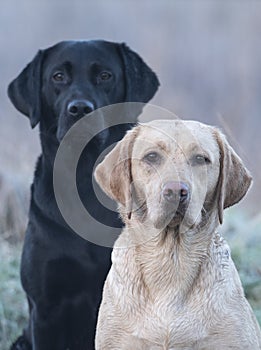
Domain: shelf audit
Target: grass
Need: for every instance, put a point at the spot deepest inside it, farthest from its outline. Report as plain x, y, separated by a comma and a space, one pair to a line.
243, 235
13, 307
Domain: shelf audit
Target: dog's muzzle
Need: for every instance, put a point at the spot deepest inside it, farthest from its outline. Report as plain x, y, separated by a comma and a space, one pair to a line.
176, 196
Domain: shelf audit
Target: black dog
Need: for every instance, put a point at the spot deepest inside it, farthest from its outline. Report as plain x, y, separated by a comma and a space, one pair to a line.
63, 274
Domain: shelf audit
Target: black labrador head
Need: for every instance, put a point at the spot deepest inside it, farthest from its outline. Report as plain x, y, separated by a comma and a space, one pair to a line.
73, 78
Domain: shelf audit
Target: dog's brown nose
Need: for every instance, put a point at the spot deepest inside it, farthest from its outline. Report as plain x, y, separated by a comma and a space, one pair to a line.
176, 191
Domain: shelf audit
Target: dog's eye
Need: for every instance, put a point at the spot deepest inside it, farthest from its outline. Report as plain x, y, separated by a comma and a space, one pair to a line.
152, 157
200, 160
58, 77
105, 75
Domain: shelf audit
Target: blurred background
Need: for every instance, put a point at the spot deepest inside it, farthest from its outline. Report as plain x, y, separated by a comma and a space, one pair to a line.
207, 55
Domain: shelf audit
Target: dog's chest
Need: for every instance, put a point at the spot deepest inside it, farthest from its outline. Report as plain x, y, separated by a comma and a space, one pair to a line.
165, 313
170, 326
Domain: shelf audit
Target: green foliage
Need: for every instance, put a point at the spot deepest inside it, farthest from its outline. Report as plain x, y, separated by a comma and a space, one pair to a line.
13, 308
244, 237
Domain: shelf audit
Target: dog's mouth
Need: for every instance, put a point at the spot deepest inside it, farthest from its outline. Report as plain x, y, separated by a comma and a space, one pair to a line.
83, 130
176, 219
170, 219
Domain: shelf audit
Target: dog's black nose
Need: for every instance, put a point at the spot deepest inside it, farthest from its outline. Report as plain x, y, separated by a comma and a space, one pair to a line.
78, 108
175, 191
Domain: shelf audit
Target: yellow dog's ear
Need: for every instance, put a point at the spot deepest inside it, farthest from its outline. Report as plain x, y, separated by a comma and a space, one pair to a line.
234, 178
114, 174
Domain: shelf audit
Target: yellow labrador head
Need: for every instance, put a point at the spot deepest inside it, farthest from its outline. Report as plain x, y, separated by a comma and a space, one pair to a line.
173, 173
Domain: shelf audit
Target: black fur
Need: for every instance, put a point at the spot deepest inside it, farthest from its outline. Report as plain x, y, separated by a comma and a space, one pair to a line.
61, 273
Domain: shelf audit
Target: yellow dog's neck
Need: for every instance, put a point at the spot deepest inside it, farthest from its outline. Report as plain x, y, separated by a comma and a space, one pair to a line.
170, 258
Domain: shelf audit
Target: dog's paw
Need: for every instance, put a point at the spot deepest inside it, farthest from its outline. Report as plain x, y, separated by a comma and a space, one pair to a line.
21, 344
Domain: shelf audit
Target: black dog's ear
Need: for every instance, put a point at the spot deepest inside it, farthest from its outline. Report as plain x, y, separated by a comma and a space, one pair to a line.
25, 90
141, 82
